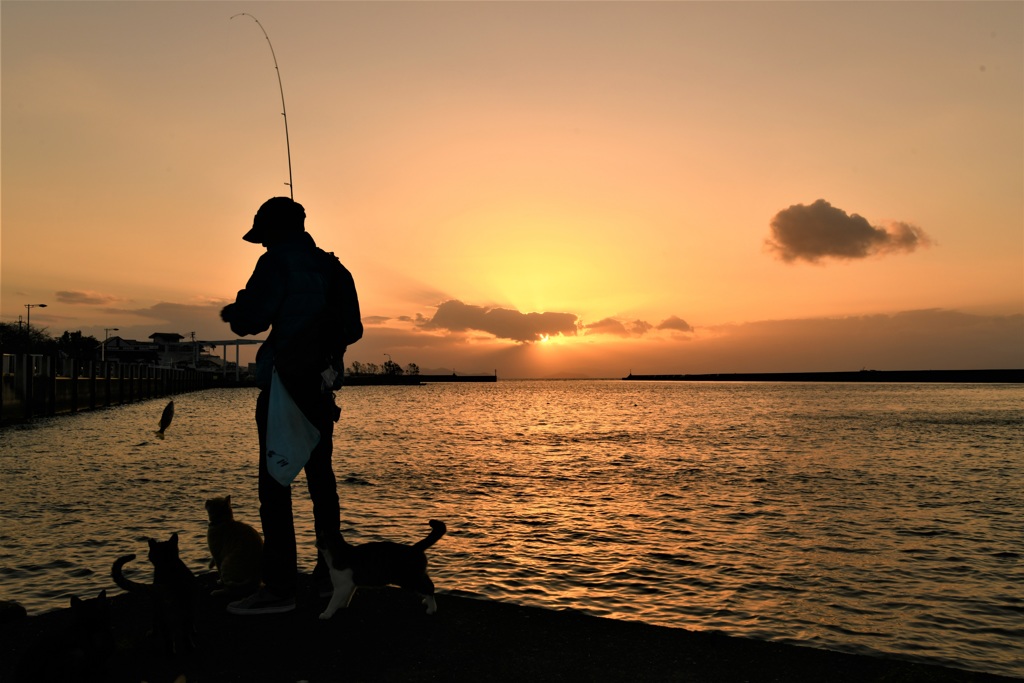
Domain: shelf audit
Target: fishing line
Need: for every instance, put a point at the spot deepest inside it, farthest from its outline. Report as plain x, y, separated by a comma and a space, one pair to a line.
284, 110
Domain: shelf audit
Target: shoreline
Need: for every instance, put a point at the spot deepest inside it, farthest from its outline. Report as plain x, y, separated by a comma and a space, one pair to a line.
386, 636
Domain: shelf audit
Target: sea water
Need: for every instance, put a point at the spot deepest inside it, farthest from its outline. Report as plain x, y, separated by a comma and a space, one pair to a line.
868, 518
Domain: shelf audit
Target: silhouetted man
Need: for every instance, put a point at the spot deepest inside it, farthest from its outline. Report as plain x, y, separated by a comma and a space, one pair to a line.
308, 301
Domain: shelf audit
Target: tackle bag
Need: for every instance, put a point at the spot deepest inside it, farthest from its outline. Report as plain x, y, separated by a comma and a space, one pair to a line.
291, 437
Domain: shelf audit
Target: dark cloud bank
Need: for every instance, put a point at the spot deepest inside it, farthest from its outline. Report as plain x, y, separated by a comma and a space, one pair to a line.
504, 323
821, 231
83, 298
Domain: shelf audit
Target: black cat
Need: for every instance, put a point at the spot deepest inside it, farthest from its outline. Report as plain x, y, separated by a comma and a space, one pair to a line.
378, 564
173, 593
79, 652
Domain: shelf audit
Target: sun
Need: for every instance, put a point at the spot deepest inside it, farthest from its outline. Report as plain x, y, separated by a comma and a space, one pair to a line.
545, 339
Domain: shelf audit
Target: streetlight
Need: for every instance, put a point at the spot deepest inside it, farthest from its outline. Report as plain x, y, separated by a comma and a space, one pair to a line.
106, 332
28, 315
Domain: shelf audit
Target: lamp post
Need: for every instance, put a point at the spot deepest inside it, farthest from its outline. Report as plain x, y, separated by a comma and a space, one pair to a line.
106, 333
28, 315
28, 323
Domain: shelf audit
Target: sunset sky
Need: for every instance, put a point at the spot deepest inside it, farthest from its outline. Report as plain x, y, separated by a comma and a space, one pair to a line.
537, 188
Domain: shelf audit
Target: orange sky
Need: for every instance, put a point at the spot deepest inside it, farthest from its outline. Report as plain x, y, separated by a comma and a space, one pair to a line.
537, 188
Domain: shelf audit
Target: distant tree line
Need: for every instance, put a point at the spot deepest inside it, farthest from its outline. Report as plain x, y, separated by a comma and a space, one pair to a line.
19, 338
388, 368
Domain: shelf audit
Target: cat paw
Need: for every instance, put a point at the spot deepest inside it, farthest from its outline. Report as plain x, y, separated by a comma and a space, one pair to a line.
325, 615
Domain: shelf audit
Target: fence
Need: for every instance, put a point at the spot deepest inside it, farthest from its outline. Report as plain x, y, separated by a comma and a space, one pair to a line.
35, 385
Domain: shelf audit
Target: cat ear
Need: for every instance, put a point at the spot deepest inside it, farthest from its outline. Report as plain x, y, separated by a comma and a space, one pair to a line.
228, 499
75, 602
103, 594
174, 538
152, 542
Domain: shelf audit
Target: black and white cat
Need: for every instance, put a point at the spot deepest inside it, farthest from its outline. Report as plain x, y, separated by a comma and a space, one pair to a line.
173, 593
379, 563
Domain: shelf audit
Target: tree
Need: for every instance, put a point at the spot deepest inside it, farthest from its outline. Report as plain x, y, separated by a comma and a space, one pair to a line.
371, 368
18, 338
412, 369
392, 368
356, 368
75, 345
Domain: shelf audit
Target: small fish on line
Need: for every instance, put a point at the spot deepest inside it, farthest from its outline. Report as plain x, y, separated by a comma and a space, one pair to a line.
165, 419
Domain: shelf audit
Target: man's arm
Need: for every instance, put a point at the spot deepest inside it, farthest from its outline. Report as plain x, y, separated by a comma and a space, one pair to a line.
255, 306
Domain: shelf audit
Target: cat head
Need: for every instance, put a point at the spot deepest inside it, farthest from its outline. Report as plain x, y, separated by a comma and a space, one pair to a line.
219, 509
92, 606
163, 550
92, 619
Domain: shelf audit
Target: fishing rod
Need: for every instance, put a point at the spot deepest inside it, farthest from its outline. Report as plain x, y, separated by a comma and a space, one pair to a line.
284, 110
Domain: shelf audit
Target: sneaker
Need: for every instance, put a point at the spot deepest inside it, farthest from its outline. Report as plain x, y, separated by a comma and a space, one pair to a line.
262, 602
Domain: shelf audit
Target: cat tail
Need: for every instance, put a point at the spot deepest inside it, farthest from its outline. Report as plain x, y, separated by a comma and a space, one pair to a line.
437, 530
121, 580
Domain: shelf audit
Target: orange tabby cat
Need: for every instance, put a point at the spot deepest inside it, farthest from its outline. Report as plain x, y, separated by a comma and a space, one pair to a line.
236, 549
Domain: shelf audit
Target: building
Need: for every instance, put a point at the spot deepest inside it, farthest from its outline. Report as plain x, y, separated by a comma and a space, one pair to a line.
165, 349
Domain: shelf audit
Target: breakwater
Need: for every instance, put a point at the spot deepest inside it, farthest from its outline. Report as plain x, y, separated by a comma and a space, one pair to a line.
412, 380
1013, 376
38, 386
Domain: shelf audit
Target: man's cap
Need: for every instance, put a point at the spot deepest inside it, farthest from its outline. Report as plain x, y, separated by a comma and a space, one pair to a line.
277, 215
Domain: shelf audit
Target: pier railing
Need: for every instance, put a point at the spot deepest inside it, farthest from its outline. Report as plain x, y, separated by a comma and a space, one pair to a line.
38, 385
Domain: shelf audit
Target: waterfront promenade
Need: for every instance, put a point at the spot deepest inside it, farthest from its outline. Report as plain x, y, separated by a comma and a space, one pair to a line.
41, 386
386, 636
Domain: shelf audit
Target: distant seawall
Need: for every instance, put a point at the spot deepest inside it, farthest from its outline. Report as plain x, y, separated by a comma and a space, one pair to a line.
411, 380
941, 376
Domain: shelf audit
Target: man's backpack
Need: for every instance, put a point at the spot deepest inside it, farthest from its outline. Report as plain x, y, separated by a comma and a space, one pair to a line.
340, 324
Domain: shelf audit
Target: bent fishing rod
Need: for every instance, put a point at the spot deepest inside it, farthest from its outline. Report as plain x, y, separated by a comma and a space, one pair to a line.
284, 110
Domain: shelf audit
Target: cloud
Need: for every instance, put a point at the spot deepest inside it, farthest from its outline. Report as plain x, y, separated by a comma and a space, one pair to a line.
612, 326
820, 231
455, 316
912, 340
84, 298
675, 323
607, 326
375, 319
640, 327
203, 319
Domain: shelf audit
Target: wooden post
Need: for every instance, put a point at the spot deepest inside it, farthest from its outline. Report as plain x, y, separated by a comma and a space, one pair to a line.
92, 384
74, 386
51, 384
